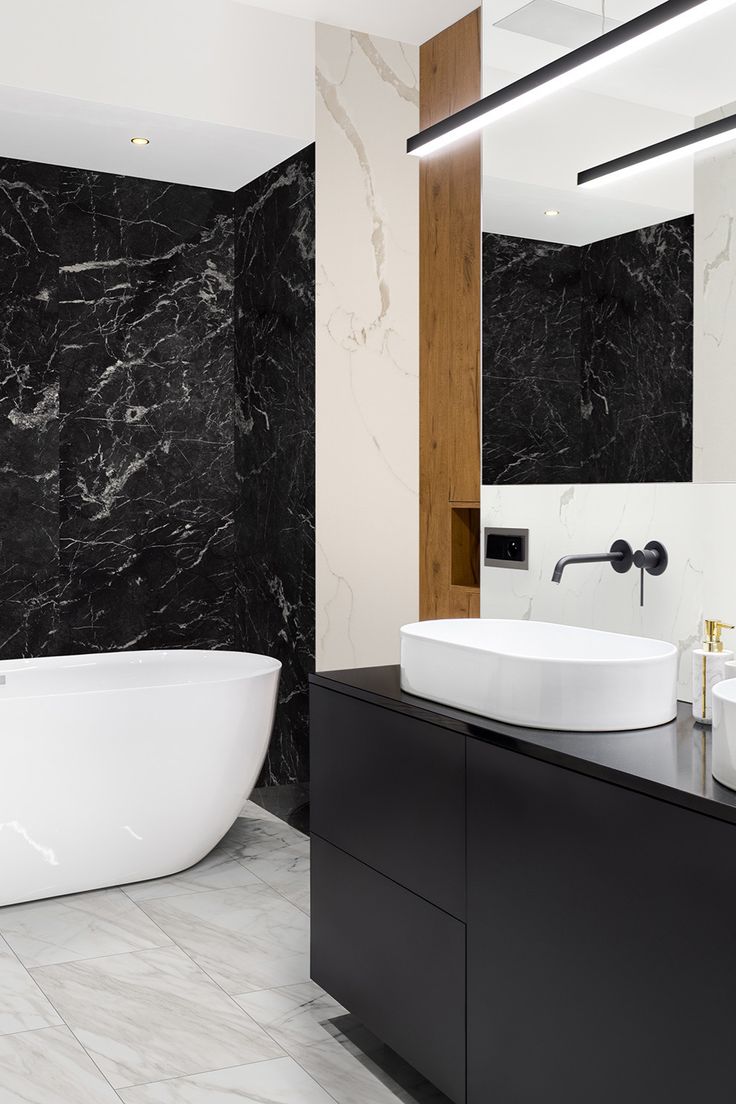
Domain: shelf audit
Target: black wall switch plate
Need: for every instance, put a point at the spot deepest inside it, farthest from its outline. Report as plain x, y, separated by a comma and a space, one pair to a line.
506, 548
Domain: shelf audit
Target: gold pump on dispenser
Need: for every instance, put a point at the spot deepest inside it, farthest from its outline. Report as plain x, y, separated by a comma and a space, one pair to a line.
709, 667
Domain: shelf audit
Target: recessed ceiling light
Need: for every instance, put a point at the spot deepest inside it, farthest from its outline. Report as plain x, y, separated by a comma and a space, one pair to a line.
140, 141
551, 213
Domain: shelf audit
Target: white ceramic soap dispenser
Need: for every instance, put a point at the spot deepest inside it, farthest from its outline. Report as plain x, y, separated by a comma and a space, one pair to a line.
709, 667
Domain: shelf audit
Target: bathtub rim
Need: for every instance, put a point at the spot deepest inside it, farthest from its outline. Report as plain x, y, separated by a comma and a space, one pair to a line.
268, 667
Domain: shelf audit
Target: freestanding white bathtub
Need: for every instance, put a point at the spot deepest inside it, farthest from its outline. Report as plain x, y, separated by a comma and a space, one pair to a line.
119, 767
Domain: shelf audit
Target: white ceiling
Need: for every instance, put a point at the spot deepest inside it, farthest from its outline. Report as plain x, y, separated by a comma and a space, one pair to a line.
411, 21
223, 88
58, 130
655, 94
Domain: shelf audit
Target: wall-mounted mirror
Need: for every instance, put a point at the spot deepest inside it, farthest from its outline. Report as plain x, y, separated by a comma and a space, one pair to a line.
609, 334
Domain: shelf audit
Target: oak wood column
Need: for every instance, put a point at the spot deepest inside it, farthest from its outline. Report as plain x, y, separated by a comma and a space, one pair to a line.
449, 295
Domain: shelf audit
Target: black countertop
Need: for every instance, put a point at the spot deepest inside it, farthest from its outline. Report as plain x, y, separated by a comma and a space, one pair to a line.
671, 762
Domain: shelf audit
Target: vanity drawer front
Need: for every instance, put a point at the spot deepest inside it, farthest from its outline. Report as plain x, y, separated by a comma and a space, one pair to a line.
394, 961
390, 790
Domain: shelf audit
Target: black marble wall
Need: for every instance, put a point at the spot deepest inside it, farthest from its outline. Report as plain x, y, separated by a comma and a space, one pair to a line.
531, 361
274, 441
587, 358
146, 369
29, 402
637, 356
157, 420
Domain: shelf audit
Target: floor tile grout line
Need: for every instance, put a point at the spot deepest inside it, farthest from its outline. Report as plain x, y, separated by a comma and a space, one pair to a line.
95, 957
203, 1073
170, 942
26, 970
319, 1083
206, 973
72, 1032
191, 957
138, 1084
243, 863
67, 1025
30, 1030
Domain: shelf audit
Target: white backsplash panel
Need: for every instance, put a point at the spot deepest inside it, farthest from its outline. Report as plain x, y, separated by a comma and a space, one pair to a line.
688, 519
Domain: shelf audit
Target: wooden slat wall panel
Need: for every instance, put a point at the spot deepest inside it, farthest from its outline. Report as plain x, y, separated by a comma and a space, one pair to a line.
449, 281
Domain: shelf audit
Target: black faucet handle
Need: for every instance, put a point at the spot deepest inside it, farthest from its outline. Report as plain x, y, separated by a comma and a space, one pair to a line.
652, 558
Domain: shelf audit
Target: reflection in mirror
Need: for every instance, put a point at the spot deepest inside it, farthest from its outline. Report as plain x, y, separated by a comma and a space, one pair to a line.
607, 342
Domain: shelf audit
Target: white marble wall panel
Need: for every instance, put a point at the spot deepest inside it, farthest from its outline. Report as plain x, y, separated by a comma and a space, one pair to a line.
367, 387
714, 333
588, 518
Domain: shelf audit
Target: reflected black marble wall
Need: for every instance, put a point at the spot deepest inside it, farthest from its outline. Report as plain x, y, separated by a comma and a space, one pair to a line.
531, 361
637, 355
274, 442
146, 371
587, 358
29, 399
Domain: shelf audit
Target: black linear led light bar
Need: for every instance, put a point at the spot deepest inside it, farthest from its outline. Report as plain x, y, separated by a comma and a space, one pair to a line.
661, 153
621, 42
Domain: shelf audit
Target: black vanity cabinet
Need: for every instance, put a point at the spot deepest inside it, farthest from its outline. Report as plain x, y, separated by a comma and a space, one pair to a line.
388, 879
526, 917
601, 941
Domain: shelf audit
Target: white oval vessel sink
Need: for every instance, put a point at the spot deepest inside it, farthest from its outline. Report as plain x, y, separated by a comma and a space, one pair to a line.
724, 733
540, 675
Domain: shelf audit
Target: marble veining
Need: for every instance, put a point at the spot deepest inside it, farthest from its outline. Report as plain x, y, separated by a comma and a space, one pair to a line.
79, 926
279, 1081
588, 517
221, 1009
275, 441
637, 356
531, 361
245, 938
50, 1067
588, 358
714, 180
23, 1007
367, 346
157, 421
146, 376
176, 1020
29, 402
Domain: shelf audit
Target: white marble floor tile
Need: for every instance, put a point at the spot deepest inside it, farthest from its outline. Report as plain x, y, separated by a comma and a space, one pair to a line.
253, 811
251, 838
218, 870
152, 1015
369, 1073
50, 1067
281, 1081
285, 869
84, 925
297, 1015
23, 1007
245, 938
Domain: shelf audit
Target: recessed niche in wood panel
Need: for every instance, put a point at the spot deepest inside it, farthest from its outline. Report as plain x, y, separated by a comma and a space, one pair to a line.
465, 546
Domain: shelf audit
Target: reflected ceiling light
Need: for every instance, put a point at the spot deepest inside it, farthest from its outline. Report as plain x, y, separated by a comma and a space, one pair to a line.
140, 141
661, 153
664, 20
551, 213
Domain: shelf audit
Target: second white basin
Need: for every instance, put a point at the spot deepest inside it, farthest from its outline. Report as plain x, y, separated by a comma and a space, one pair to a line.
542, 675
724, 733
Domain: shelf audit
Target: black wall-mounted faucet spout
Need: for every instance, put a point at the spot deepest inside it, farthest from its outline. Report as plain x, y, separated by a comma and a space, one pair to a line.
620, 557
